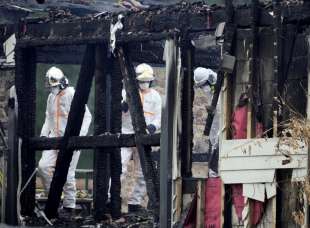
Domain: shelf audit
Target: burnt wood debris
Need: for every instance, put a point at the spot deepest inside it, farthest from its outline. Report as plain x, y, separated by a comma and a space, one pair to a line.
72, 39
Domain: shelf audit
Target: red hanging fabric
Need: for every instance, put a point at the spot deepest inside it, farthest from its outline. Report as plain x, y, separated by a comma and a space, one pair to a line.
239, 130
213, 205
238, 200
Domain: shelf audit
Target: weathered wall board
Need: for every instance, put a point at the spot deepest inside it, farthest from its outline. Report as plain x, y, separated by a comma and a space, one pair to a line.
255, 160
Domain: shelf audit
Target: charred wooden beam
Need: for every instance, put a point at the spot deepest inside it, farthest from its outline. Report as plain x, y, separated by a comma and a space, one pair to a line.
93, 39
278, 41
116, 128
73, 128
139, 125
277, 63
253, 76
145, 25
187, 109
148, 24
94, 142
26, 94
10, 201
280, 176
228, 47
101, 125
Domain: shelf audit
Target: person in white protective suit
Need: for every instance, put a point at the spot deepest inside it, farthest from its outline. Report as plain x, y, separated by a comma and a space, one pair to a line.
57, 110
151, 102
206, 79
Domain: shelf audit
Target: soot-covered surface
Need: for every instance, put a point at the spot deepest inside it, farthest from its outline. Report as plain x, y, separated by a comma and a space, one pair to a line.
140, 219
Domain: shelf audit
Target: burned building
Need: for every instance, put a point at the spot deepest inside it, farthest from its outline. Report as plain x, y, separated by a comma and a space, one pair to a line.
260, 48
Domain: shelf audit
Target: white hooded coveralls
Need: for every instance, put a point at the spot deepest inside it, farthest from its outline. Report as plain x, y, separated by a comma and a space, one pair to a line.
57, 110
151, 102
215, 127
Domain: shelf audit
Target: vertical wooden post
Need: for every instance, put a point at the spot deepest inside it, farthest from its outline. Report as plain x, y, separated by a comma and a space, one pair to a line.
26, 94
187, 110
278, 36
251, 111
116, 127
75, 119
168, 134
200, 219
10, 202
101, 125
228, 47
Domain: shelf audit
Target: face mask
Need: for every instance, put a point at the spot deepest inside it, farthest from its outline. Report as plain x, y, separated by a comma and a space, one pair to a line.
206, 88
144, 85
54, 90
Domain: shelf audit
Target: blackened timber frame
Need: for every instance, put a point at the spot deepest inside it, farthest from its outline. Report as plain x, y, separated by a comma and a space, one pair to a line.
187, 108
116, 127
71, 141
101, 125
26, 93
75, 119
144, 25
253, 77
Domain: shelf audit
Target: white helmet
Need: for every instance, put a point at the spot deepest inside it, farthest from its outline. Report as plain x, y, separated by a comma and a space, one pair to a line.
203, 75
144, 73
56, 77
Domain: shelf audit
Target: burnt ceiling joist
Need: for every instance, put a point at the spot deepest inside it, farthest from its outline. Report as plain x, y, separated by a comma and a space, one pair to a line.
146, 24
61, 39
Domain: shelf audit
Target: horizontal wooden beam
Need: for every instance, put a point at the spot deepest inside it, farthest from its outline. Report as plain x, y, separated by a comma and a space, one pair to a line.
93, 142
62, 39
138, 26
153, 24
148, 24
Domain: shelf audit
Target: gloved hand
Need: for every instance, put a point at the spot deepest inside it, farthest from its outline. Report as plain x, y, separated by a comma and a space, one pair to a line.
151, 128
125, 106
